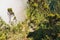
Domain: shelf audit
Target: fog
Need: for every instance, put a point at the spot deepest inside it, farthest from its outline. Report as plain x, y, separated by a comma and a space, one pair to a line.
18, 7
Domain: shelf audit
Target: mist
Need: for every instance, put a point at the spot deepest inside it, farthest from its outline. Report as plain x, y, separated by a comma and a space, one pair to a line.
18, 7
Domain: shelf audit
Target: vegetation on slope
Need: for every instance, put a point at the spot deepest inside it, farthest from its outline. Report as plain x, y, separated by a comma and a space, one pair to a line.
43, 17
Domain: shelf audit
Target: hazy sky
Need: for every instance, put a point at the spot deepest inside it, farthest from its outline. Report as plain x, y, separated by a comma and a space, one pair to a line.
18, 7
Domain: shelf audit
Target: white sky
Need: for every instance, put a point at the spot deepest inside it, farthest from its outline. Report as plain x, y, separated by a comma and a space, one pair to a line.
17, 6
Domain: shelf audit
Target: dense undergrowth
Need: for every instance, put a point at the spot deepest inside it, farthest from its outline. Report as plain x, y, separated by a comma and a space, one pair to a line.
12, 32
43, 16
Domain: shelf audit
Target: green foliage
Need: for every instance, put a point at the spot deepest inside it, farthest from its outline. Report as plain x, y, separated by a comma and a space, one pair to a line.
44, 16
12, 32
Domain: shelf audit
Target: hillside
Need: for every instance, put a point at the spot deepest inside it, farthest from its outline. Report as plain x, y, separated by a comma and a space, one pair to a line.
42, 22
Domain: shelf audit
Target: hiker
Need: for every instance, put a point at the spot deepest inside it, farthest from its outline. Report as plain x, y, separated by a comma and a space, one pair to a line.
11, 15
